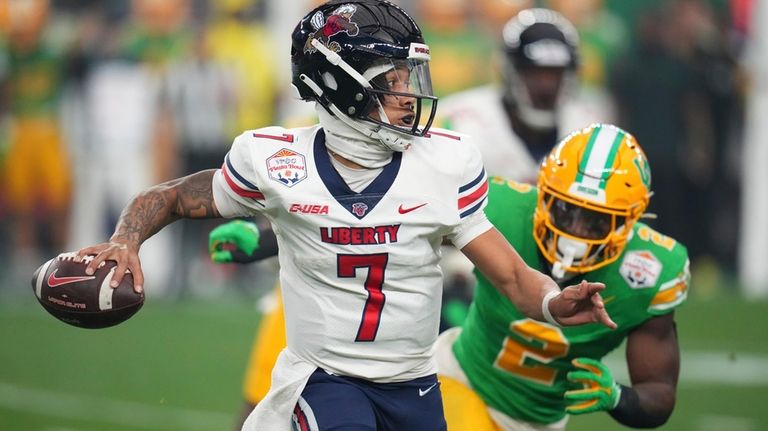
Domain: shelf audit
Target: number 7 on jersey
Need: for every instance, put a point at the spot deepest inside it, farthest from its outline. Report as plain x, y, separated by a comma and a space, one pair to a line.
374, 305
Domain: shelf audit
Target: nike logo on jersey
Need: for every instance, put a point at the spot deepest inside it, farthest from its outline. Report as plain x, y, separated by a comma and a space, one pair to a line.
402, 210
54, 281
423, 392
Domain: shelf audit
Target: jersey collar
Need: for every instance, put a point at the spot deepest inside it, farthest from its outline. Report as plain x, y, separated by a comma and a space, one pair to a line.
358, 204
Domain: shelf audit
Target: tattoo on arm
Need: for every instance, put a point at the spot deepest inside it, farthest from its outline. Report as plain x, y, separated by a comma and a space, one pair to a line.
158, 206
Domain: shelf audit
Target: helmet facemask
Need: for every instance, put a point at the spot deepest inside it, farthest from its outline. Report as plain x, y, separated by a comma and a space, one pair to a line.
578, 237
405, 84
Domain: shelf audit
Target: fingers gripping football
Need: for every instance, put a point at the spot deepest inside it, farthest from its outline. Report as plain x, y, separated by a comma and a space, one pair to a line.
579, 304
126, 257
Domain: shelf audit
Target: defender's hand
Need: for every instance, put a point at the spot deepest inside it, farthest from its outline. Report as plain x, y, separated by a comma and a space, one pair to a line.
234, 242
600, 392
579, 304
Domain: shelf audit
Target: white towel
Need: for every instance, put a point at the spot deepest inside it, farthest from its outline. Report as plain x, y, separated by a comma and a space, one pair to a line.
289, 376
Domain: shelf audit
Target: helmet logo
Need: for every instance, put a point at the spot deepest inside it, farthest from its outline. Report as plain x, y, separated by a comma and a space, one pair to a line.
645, 171
339, 21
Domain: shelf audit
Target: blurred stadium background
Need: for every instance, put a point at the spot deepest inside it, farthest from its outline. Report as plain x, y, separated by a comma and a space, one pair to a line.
99, 99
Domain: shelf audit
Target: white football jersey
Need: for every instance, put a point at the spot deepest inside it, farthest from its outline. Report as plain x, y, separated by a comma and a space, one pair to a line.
479, 113
359, 271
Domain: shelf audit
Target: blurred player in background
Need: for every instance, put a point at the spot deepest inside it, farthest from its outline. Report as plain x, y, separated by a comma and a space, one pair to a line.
360, 204
35, 178
504, 371
517, 121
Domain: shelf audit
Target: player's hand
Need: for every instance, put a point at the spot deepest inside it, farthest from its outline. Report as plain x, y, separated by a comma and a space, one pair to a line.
125, 254
234, 242
579, 304
600, 391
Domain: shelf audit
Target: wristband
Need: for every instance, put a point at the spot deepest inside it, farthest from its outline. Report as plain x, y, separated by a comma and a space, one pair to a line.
545, 307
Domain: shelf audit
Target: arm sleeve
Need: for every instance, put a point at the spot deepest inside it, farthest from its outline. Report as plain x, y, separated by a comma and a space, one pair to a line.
235, 188
470, 228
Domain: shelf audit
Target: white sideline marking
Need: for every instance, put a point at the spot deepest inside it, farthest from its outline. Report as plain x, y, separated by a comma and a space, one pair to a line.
72, 406
730, 423
697, 367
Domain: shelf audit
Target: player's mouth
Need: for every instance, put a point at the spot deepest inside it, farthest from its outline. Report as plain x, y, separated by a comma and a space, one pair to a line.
407, 120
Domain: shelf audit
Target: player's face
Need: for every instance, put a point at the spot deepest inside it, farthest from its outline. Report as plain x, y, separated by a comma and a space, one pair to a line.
543, 85
398, 108
581, 222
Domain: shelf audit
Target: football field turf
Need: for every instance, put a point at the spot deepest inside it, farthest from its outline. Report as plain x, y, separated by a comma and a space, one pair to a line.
179, 366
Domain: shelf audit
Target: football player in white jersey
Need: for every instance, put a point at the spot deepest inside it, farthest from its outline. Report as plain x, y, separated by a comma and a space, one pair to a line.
360, 204
516, 123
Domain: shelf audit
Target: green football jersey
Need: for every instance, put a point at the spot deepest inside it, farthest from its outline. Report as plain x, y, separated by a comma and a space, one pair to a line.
35, 82
518, 365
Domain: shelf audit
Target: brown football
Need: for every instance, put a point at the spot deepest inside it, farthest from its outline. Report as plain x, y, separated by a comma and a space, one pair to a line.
64, 289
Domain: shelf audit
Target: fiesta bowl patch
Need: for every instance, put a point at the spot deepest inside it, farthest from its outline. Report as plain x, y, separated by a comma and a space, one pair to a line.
640, 269
287, 167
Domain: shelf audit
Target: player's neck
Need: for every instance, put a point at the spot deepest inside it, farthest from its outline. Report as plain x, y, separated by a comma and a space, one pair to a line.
348, 163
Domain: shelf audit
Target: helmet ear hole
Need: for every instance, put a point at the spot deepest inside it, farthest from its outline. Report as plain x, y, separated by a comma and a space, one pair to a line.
330, 81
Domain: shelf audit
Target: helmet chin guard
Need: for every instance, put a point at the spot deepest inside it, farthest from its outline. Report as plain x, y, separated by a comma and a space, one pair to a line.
568, 251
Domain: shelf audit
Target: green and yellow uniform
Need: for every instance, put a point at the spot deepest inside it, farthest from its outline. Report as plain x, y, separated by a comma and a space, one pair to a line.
37, 164
517, 365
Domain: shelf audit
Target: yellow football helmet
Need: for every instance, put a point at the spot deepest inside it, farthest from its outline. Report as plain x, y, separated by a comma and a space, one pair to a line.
593, 187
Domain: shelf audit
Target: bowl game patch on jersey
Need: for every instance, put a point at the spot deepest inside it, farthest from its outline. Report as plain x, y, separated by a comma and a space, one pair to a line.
640, 269
287, 167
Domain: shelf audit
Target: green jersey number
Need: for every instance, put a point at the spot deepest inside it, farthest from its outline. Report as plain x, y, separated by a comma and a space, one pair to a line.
534, 345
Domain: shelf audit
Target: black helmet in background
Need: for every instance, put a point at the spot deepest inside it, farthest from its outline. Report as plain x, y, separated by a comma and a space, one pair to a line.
540, 62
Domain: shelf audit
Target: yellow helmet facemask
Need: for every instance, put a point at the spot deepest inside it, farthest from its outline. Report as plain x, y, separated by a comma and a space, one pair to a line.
593, 187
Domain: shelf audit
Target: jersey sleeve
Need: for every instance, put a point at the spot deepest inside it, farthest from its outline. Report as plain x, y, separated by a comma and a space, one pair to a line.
235, 188
472, 197
672, 292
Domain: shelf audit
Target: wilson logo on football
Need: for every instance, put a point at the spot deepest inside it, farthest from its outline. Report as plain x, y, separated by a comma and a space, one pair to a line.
54, 281
308, 209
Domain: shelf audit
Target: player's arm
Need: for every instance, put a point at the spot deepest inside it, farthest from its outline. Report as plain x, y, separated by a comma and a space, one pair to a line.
146, 214
242, 241
532, 292
653, 360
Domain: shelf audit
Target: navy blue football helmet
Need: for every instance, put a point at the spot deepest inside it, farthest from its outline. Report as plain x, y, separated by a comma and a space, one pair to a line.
340, 54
